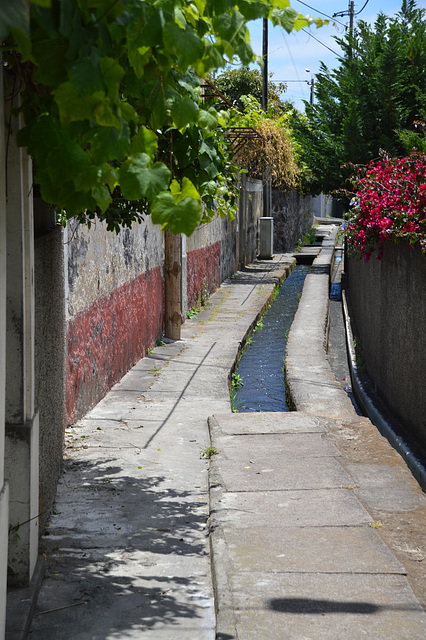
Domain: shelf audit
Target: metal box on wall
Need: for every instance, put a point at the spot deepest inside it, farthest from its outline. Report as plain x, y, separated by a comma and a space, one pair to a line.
266, 238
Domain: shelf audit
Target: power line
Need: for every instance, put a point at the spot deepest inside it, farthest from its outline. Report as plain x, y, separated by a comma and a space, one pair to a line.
358, 12
339, 55
323, 14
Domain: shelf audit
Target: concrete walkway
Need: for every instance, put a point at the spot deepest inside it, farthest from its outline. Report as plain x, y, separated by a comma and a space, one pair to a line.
293, 543
295, 552
128, 549
295, 549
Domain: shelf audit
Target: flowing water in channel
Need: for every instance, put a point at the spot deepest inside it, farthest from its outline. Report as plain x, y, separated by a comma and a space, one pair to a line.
262, 365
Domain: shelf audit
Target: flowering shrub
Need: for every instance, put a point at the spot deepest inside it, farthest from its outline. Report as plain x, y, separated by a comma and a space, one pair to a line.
388, 203
274, 152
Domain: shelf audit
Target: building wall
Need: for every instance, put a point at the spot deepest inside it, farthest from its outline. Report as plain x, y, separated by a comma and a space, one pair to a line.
293, 214
50, 359
21, 454
249, 212
254, 211
216, 250
115, 307
388, 300
203, 261
114, 292
228, 247
4, 485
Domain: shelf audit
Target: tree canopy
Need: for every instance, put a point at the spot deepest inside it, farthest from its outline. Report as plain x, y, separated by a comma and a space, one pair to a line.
378, 89
110, 94
234, 83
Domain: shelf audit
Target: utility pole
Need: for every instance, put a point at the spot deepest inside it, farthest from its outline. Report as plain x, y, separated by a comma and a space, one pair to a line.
311, 84
265, 65
267, 183
351, 13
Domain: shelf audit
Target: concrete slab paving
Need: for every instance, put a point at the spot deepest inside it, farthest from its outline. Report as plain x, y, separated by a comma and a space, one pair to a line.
278, 447
268, 423
276, 474
292, 558
321, 508
386, 488
279, 518
320, 607
127, 547
309, 378
287, 549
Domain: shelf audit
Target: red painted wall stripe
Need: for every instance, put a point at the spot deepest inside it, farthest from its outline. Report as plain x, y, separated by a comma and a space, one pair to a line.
203, 265
105, 340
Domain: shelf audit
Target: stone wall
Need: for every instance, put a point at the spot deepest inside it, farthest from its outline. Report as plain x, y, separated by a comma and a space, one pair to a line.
388, 300
203, 261
114, 291
216, 250
293, 214
115, 306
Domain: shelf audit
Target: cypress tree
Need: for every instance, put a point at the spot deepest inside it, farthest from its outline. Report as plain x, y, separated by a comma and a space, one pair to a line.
378, 89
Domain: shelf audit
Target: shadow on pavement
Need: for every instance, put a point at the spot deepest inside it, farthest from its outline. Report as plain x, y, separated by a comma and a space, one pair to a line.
113, 561
313, 606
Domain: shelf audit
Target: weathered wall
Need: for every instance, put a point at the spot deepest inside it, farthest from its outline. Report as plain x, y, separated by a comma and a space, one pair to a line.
228, 247
388, 299
249, 211
115, 291
115, 305
216, 250
293, 214
4, 485
203, 261
22, 424
249, 234
50, 360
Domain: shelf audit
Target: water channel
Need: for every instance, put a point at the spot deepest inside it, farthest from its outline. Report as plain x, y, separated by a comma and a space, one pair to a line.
261, 367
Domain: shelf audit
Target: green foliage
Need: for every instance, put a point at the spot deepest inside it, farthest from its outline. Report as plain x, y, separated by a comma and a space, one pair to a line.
234, 83
274, 153
209, 452
237, 381
308, 237
202, 299
411, 140
111, 100
378, 88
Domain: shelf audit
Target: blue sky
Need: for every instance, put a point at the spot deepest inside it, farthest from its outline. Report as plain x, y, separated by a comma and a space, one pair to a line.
291, 54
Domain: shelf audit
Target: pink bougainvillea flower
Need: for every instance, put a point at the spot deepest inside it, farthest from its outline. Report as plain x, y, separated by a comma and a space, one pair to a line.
388, 203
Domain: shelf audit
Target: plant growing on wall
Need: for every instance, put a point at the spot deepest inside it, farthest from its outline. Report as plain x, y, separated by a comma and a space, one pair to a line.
111, 101
388, 203
274, 152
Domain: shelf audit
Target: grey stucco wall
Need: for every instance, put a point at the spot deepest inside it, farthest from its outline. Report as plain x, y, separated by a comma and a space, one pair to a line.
114, 306
249, 212
293, 214
100, 261
228, 247
254, 212
50, 360
388, 300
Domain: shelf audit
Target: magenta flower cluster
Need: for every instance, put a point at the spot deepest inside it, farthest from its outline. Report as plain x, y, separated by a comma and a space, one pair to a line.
388, 203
